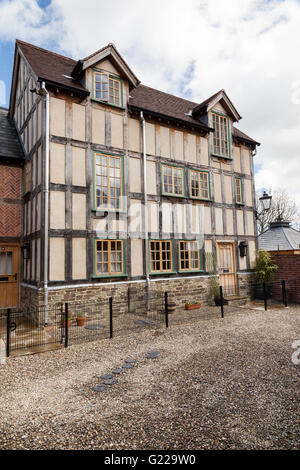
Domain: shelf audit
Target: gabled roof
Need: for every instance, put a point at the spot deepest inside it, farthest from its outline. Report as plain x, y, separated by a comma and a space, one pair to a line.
210, 102
280, 236
51, 67
10, 147
110, 52
61, 71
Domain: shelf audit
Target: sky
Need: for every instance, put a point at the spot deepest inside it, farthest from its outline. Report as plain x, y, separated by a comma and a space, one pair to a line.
191, 49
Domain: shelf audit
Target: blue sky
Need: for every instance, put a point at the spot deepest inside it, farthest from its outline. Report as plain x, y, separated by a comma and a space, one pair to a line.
247, 47
6, 60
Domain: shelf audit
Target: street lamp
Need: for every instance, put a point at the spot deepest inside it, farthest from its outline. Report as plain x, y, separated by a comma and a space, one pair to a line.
265, 200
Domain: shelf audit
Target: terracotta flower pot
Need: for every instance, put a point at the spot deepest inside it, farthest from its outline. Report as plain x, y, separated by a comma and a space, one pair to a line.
80, 321
192, 307
68, 323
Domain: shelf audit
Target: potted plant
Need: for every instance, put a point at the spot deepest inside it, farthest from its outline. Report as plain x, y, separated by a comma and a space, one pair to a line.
192, 305
80, 319
68, 322
264, 273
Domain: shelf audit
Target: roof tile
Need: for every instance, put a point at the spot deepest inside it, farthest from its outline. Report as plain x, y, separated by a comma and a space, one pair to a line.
10, 147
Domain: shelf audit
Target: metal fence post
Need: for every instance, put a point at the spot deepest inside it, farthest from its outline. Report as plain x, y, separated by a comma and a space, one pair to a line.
66, 324
265, 296
61, 322
284, 298
166, 310
8, 332
110, 318
221, 301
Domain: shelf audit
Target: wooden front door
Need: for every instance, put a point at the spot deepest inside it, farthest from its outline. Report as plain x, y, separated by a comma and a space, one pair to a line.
226, 268
9, 275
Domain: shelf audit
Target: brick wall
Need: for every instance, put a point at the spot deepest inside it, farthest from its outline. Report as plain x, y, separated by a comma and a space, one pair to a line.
289, 271
11, 184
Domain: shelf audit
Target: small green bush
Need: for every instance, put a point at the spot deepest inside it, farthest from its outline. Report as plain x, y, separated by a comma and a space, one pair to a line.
265, 268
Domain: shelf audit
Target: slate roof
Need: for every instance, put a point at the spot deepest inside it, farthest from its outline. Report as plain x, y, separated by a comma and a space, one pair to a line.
10, 147
51, 67
55, 69
159, 102
279, 236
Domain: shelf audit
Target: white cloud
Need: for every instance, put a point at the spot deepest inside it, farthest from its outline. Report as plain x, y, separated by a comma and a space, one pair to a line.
248, 47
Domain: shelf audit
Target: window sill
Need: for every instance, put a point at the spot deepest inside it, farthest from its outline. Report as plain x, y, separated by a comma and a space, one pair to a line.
178, 196
200, 199
107, 103
192, 271
163, 273
221, 157
109, 276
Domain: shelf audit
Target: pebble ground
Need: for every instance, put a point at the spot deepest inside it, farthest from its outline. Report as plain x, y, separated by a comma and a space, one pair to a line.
216, 384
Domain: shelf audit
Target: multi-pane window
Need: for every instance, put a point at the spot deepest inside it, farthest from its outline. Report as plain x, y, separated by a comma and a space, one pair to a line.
27, 182
161, 259
109, 257
220, 136
199, 184
173, 180
238, 191
108, 181
189, 256
107, 88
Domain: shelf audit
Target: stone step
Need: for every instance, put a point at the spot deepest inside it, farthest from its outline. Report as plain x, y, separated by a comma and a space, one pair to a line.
236, 299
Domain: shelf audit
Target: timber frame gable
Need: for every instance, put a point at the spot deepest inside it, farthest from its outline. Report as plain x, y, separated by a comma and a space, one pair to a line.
109, 52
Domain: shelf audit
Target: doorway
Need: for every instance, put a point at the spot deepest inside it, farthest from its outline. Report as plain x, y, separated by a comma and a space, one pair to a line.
9, 275
226, 268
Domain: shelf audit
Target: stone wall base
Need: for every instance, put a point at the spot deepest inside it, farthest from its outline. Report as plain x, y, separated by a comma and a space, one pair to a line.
132, 297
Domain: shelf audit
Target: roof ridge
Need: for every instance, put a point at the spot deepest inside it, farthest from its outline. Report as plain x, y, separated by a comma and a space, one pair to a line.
101, 49
19, 41
286, 237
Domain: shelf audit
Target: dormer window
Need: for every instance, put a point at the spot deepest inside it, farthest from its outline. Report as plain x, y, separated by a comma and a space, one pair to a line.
108, 88
221, 144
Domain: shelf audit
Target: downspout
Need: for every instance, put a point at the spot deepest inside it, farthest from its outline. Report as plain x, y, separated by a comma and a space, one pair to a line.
146, 211
46, 192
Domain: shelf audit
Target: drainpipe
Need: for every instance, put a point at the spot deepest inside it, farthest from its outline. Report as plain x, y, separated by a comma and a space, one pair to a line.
146, 211
46, 192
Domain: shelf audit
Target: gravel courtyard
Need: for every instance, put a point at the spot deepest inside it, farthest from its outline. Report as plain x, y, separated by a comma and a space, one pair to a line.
216, 384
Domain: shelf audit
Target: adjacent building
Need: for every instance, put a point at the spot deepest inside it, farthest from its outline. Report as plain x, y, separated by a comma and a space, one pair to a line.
126, 189
11, 203
282, 242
